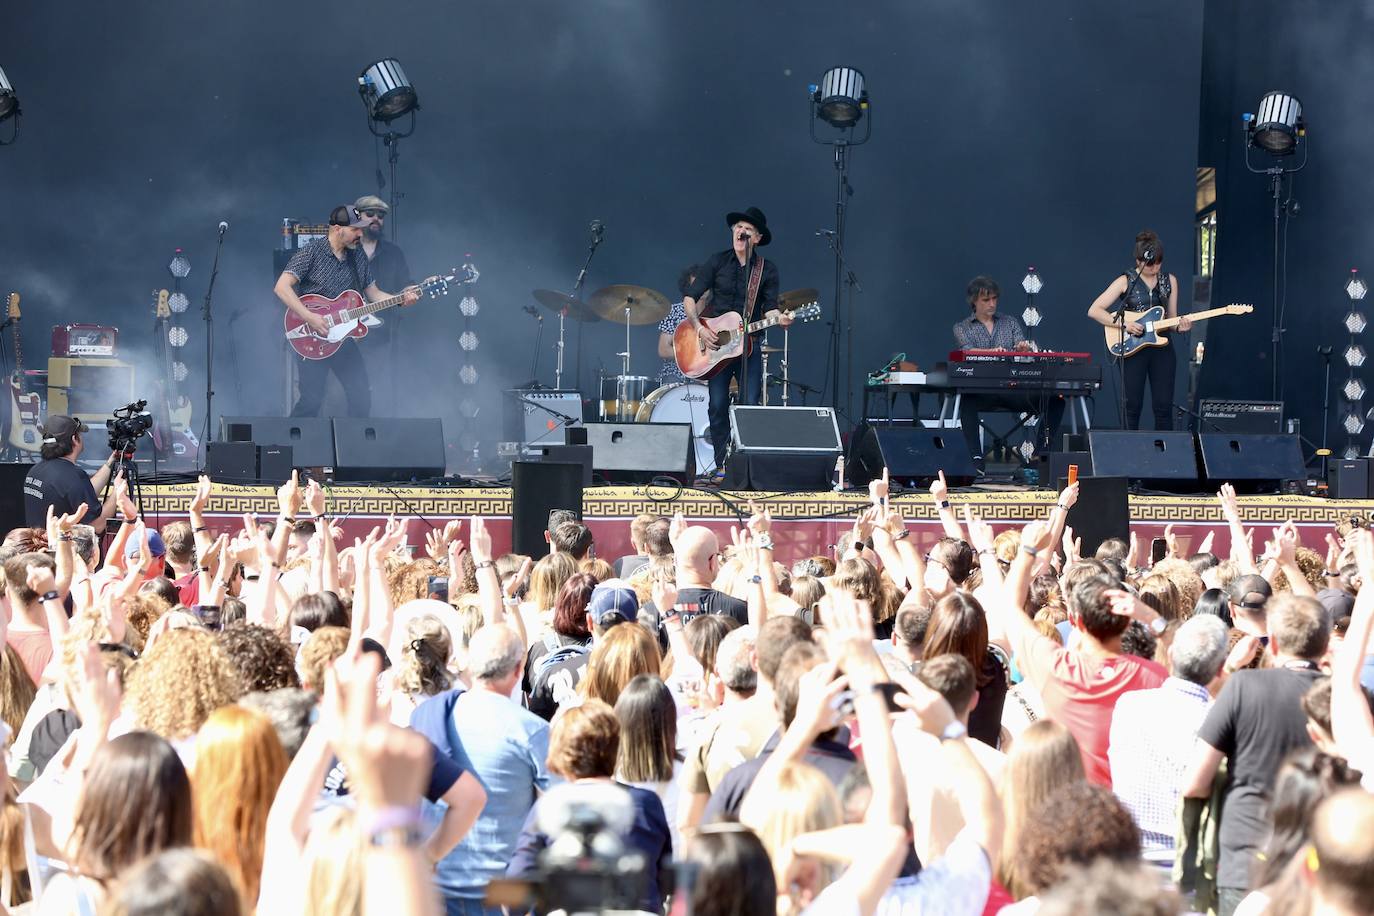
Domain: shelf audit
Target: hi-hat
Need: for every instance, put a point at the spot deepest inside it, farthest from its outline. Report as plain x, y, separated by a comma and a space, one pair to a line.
795, 298
646, 306
556, 302
772, 350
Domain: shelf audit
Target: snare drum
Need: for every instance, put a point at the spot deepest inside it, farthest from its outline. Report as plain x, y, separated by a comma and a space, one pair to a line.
621, 397
684, 402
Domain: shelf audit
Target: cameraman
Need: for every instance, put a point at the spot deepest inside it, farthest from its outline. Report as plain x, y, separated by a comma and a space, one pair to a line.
56, 480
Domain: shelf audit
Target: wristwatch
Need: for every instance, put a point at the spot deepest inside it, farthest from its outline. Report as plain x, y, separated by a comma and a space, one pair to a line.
1158, 626
954, 731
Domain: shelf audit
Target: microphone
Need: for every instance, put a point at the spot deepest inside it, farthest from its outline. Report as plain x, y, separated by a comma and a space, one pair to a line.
530, 310
597, 227
824, 233
223, 228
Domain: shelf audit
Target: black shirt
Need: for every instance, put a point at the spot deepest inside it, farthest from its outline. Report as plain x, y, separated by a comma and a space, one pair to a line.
728, 281
321, 273
1256, 720
985, 720
59, 483
389, 267
548, 683
693, 602
831, 756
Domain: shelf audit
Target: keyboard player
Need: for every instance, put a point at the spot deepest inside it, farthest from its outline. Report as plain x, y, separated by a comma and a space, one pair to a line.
985, 329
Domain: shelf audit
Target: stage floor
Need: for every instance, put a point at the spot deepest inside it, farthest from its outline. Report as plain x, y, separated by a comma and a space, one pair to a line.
814, 519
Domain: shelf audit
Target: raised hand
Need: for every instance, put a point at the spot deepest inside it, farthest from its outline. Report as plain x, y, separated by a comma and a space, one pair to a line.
675, 528
1206, 545
1036, 536
517, 581
1334, 547
863, 527
1073, 547
818, 692
40, 579
1133, 556
879, 488
388, 766
931, 710
1068, 496
1230, 506
479, 540
289, 496
1171, 543
314, 499
979, 532
1123, 604
939, 489
760, 520
204, 487
1364, 555
1287, 541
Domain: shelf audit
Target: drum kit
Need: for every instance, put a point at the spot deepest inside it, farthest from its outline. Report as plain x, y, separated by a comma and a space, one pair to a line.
626, 398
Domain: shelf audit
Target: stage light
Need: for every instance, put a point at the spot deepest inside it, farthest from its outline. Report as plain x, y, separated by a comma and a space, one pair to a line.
468, 341
178, 302
1354, 356
1355, 323
1027, 451
1031, 283
1031, 317
386, 92
1277, 124
1353, 390
841, 98
468, 307
1354, 287
179, 371
1353, 424
9, 102
177, 336
1350, 453
179, 268
468, 375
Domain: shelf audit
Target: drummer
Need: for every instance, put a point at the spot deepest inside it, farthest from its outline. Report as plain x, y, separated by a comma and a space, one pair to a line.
669, 373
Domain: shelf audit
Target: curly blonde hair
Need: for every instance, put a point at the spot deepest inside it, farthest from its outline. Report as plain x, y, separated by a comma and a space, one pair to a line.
183, 678
410, 581
141, 611
422, 668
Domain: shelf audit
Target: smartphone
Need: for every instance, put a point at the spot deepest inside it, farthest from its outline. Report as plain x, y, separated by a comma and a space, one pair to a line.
889, 691
1073, 474
438, 588
1159, 549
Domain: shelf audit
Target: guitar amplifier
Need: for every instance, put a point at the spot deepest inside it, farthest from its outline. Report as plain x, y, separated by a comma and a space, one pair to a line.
1228, 415
84, 340
89, 388
540, 416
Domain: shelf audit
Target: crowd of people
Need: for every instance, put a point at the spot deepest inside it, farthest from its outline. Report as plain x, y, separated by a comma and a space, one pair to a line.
272, 719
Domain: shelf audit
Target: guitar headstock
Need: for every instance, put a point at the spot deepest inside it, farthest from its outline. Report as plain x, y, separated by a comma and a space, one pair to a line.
808, 312
160, 309
436, 285
1238, 308
12, 306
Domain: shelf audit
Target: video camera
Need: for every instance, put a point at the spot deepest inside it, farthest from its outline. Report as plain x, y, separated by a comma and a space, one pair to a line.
130, 423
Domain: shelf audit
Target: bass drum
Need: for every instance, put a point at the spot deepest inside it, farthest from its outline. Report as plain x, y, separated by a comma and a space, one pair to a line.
683, 402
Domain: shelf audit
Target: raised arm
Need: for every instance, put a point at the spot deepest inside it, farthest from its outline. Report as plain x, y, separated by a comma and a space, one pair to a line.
1240, 540
939, 491
1351, 723
1059, 518
195, 511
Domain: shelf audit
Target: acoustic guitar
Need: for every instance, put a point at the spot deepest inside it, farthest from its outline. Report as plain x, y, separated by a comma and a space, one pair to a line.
1154, 322
698, 361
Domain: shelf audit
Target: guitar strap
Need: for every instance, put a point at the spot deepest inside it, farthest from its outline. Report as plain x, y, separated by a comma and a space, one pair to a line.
755, 278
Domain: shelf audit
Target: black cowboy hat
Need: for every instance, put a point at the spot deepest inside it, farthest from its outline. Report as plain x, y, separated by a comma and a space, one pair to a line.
754, 216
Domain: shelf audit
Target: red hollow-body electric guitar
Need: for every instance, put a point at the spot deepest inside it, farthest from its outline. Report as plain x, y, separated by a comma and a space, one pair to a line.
344, 314
698, 361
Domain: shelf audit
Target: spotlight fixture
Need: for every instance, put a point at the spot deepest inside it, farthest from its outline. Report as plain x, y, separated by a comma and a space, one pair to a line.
841, 98
179, 268
1354, 389
1031, 317
1031, 282
177, 336
1354, 356
468, 307
9, 102
1353, 424
178, 302
467, 340
1354, 287
468, 375
1355, 322
1277, 124
386, 92
179, 371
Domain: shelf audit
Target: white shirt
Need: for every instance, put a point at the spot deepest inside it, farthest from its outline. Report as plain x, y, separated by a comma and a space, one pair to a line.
932, 796
955, 884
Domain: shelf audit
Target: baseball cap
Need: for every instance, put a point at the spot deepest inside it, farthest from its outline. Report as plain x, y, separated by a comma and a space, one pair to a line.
59, 426
155, 546
371, 202
344, 215
1249, 591
613, 602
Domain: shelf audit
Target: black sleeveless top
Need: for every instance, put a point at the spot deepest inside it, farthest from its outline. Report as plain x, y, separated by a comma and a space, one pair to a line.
1139, 297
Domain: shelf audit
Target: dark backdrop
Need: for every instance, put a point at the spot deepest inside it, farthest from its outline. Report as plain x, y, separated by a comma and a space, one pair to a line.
1317, 52
1005, 134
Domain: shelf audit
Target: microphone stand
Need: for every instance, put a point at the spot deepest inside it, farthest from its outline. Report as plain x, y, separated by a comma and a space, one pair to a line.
207, 313
598, 233
534, 357
851, 280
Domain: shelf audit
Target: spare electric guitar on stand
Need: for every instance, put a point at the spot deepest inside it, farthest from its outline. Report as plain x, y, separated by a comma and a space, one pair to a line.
698, 361
22, 437
1153, 321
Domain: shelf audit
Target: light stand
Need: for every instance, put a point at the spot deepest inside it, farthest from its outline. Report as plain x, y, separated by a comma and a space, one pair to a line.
1278, 128
387, 95
840, 100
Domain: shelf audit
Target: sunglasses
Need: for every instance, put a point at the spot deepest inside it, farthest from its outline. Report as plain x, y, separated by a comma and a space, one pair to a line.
375, 214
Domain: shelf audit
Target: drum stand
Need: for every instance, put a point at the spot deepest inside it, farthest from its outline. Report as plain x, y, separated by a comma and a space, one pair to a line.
786, 335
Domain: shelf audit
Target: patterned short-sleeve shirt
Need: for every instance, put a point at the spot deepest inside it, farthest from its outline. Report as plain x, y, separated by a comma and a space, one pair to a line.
669, 373
323, 274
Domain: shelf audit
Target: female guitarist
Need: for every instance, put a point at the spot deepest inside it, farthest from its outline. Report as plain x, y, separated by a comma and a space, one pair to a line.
1135, 291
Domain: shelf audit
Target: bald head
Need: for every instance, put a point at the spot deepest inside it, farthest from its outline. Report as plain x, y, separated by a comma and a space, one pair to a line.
695, 548
1343, 839
495, 653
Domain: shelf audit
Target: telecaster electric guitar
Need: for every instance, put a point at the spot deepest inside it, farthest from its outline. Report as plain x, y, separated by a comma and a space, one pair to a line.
25, 409
1154, 322
344, 314
698, 361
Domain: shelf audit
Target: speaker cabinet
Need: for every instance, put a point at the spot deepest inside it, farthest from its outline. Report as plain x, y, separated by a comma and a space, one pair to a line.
232, 462
574, 454
311, 438
1348, 478
1102, 511
538, 487
540, 416
1143, 455
913, 455
782, 448
1256, 460
388, 448
638, 452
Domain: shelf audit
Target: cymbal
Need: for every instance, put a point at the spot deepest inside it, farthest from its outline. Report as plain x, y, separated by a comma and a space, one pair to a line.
796, 298
556, 302
646, 306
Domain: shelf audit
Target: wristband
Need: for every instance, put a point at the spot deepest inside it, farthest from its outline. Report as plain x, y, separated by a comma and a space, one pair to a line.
756, 579
987, 552
72, 537
204, 569
904, 533
1062, 506
200, 529
1330, 573
953, 731
393, 827
944, 504
484, 564
251, 578
50, 596
1158, 626
1027, 549
289, 519
765, 543
510, 601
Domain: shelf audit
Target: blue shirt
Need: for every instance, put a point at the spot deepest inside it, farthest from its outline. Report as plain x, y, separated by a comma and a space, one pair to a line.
972, 334
508, 747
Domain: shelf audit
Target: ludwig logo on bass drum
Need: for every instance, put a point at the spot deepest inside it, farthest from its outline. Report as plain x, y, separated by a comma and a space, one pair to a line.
694, 397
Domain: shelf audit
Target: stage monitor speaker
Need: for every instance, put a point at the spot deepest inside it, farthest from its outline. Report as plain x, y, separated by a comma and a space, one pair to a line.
1255, 459
388, 448
638, 452
232, 462
12, 495
575, 454
914, 455
782, 448
311, 438
537, 488
1103, 511
1348, 478
1144, 455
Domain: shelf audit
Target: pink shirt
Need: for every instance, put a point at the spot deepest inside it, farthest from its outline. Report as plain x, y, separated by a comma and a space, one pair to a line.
34, 648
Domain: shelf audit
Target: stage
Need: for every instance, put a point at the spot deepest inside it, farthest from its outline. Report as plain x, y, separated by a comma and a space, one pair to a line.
808, 523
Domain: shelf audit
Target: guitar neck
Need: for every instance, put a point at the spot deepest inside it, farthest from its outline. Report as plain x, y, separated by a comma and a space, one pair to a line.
371, 307
762, 324
18, 349
1195, 316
